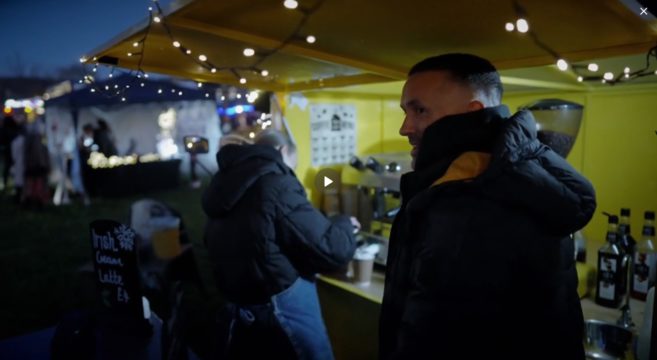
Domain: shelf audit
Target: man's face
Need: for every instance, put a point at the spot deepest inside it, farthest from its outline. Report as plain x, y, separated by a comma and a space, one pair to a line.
429, 96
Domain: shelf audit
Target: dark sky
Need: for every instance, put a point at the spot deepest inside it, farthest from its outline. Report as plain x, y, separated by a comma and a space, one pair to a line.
43, 35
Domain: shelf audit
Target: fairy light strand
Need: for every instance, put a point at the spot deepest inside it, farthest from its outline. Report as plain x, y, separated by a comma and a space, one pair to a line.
156, 16
608, 77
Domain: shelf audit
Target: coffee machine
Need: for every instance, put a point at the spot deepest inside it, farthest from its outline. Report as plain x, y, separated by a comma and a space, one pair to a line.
370, 192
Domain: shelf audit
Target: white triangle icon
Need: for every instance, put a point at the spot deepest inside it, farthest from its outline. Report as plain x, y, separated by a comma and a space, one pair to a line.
327, 181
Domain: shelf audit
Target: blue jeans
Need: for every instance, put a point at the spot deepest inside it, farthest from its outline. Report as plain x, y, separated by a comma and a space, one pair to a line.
291, 323
297, 310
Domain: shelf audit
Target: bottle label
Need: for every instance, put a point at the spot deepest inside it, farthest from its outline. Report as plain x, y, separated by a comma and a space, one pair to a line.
644, 271
607, 278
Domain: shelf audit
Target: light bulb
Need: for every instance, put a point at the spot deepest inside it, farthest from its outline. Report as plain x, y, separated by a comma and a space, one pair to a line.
111, 75
264, 73
135, 44
159, 91
176, 44
248, 52
179, 93
223, 98
202, 57
626, 70
129, 54
580, 79
522, 25
593, 67
251, 135
562, 65
199, 84
157, 19
83, 59
188, 52
127, 86
213, 70
509, 27
93, 90
207, 95
242, 81
608, 76
311, 39
239, 96
146, 75
290, 4
122, 99
142, 84
94, 69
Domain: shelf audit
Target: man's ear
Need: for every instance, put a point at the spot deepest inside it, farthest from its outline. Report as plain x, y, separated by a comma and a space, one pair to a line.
475, 105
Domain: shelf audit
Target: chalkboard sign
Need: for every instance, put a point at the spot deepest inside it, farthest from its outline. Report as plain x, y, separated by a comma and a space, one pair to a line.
114, 248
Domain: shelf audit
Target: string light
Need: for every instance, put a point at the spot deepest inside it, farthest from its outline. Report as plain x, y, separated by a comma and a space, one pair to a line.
562, 65
157, 16
509, 27
123, 99
207, 95
180, 93
199, 84
291, 4
522, 25
142, 84
578, 69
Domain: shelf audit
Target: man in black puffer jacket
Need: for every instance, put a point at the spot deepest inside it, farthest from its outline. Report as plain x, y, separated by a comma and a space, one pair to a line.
480, 263
266, 242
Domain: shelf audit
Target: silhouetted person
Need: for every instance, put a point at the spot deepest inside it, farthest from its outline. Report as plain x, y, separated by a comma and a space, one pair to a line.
104, 138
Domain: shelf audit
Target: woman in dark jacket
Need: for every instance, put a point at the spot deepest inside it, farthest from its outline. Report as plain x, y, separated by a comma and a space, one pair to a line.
266, 242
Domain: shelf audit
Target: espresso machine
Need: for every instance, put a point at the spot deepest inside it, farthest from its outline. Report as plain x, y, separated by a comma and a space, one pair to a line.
370, 192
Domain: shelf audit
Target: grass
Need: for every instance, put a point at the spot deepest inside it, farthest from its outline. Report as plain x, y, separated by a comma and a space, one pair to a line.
41, 252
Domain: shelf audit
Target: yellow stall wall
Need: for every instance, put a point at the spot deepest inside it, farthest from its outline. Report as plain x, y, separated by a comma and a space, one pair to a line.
378, 119
616, 147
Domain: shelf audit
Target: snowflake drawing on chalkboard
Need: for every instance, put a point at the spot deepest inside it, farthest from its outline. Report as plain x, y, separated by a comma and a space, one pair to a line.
126, 237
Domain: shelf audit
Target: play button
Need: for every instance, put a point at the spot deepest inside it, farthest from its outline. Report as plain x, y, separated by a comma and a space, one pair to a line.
327, 180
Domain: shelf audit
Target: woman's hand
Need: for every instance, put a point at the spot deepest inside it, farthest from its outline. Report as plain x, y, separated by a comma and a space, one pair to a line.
355, 224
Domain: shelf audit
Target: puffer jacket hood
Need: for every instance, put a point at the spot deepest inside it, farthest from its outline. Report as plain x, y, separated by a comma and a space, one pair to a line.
240, 166
523, 172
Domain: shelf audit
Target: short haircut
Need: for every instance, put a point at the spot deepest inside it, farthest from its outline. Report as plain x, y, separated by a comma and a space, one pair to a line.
471, 70
275, 139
